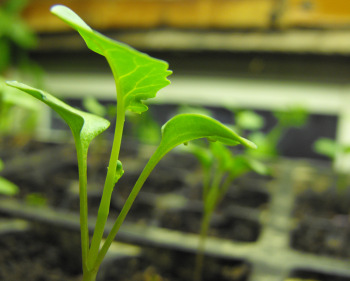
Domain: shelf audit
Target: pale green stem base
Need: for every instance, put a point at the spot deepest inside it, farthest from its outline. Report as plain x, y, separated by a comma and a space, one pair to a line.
201, 247
89, 276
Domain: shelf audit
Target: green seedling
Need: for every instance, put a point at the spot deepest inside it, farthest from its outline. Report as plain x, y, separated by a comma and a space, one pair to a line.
331, 149
293, 117
219, 168
138, 77
7, 187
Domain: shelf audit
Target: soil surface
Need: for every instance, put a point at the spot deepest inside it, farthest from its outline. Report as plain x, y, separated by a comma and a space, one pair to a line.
39, 255
322, 214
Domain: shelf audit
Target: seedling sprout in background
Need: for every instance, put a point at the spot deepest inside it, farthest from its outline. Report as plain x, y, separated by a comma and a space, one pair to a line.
330, 149
293, 117
220, 167
15, 38
138, 77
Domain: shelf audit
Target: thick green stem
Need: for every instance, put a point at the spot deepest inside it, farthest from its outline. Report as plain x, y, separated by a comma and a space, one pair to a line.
84, 231
103, 210
128, 203
90, 276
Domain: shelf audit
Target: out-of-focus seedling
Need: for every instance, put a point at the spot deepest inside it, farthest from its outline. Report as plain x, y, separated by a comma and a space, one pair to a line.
220, 167
293, 117
331, 149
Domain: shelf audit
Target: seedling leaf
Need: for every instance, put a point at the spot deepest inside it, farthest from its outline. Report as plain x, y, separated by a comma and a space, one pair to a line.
138, 76
84, 126
186, 127
7, 187
119, 172
326, 147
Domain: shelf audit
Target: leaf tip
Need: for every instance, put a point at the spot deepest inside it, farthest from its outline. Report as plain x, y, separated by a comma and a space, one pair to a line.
250, 144
67, 15
12, 83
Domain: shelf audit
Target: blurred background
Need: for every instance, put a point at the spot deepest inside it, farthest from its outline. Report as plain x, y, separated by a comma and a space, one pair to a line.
278, 70
262, 55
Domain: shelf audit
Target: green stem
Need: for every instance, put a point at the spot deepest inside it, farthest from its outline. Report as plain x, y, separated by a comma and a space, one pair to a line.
206, 182
90, 276
201, 246
225, 186
103, 210
153, 161
84, 231
210, 203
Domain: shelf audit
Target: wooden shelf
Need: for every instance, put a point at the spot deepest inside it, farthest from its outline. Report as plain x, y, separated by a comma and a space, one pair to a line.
106, 14
327, 14
297, 26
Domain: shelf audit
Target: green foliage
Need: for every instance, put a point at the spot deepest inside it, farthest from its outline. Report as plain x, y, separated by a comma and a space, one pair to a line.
330, 148
84, 126
249, 120
186, 127
7, 187
36, 199
13, 32
138, 77
119, 172
219, 168
93, 106
19, 114
145, 128
293, 117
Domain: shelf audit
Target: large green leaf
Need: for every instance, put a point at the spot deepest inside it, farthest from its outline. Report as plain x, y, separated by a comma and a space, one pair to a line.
138, 76
186, 127
84, 126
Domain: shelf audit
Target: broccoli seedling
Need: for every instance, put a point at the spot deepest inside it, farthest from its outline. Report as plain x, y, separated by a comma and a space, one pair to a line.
219, 168
330, 149
293, 117
138, 77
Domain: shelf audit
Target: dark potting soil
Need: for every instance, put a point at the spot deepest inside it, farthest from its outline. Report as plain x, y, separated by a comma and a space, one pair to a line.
228, 227
322, 215
311, 275
60, 188
49, 254
164, 265
36, 255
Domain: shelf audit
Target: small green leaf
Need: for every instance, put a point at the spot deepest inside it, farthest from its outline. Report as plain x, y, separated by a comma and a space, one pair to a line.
119, 172
93, 106
186, 127
202, 154
266, 149
84, 126
249, 120
7, 187
326, 147
223, 156
138, 76
294, 116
